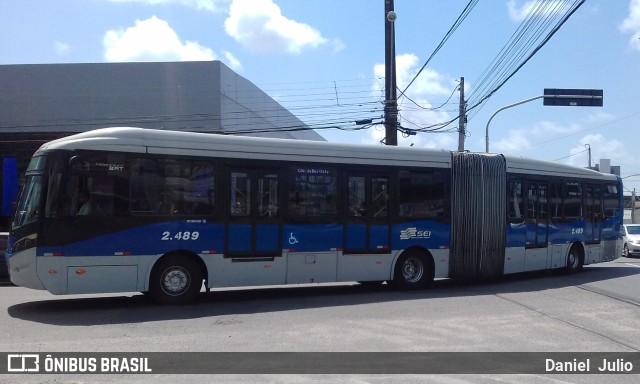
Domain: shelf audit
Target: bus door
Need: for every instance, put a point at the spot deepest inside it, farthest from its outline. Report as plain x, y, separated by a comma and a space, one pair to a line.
367, 226
593, 214
254, 228
537, 227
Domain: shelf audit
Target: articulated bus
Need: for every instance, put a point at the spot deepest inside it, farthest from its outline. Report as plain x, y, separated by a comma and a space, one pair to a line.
161, 212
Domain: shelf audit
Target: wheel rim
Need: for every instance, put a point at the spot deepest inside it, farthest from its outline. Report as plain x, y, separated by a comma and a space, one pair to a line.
175, 281
412, 270
573, 260
626, 250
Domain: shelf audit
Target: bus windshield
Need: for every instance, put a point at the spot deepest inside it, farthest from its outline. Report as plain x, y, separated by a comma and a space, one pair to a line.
27, 209
36, 164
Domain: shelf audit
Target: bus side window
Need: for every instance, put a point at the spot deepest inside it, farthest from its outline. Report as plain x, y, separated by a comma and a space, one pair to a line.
572, 196
357, 202
611, 200
593, 201
364, 202
516, 201
187, 187
422, 194
240, 194
313, 192
380, 197
268, 195
532, 202
555, 200
146, 185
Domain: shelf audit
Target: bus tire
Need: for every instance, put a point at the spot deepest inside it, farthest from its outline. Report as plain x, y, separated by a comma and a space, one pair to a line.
413, 271
175, 279
574, 260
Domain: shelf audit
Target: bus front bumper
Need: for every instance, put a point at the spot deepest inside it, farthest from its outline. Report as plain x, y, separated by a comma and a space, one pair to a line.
23, 271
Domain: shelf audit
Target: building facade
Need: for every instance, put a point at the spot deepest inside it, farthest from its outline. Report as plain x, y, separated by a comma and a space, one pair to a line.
42, 102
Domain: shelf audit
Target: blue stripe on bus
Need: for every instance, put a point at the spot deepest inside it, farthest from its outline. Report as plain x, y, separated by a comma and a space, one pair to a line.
204, 237
312, 237
148, 240
563, 233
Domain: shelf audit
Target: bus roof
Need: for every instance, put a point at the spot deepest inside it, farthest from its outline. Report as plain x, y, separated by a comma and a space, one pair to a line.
152, 141
157, 141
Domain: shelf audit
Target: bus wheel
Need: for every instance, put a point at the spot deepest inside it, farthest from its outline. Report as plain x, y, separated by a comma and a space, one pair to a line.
176, 279
574, 261
413, 271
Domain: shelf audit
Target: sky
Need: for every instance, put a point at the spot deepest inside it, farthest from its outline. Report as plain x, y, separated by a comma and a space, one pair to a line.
324, 61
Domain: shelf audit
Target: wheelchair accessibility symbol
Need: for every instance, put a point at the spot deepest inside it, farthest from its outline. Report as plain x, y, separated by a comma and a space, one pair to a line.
292, 239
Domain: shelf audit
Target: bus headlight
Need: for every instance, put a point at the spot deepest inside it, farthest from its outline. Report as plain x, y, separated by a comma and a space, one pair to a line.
24, 243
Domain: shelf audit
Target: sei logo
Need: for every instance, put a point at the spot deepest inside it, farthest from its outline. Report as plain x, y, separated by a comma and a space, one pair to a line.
413, 233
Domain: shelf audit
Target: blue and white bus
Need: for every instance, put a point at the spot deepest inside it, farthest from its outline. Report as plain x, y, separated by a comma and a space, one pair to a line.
169, 210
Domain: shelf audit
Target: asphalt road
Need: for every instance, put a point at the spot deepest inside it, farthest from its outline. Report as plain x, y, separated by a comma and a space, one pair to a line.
596, 310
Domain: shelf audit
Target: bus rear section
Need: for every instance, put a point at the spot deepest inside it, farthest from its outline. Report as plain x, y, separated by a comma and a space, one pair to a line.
518, 215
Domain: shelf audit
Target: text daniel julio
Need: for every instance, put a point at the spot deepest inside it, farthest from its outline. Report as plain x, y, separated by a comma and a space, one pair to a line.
575, 365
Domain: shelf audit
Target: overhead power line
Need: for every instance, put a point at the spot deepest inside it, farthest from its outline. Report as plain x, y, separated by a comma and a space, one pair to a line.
465, 12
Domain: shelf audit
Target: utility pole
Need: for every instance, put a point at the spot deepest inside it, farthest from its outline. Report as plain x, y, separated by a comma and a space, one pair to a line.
391, 99
633, 206
462, 119
588, 146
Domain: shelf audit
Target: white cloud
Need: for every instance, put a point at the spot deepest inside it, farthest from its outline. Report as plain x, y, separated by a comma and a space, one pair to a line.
515, 142
632, 24
526, 140
152, 40
207, 5
338, 45
532, 7
61, 48
522, 139
599, 118
232, 61
428, 84
545, 129
260, 26
601, 148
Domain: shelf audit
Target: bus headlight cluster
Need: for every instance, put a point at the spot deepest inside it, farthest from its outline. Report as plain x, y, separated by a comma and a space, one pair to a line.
24, 243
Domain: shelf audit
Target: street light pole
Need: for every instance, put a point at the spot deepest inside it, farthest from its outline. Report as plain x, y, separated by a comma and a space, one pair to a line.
391, 100
502, 109
573, 99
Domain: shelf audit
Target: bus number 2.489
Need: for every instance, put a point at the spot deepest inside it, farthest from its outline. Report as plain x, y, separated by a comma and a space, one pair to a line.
180, 236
